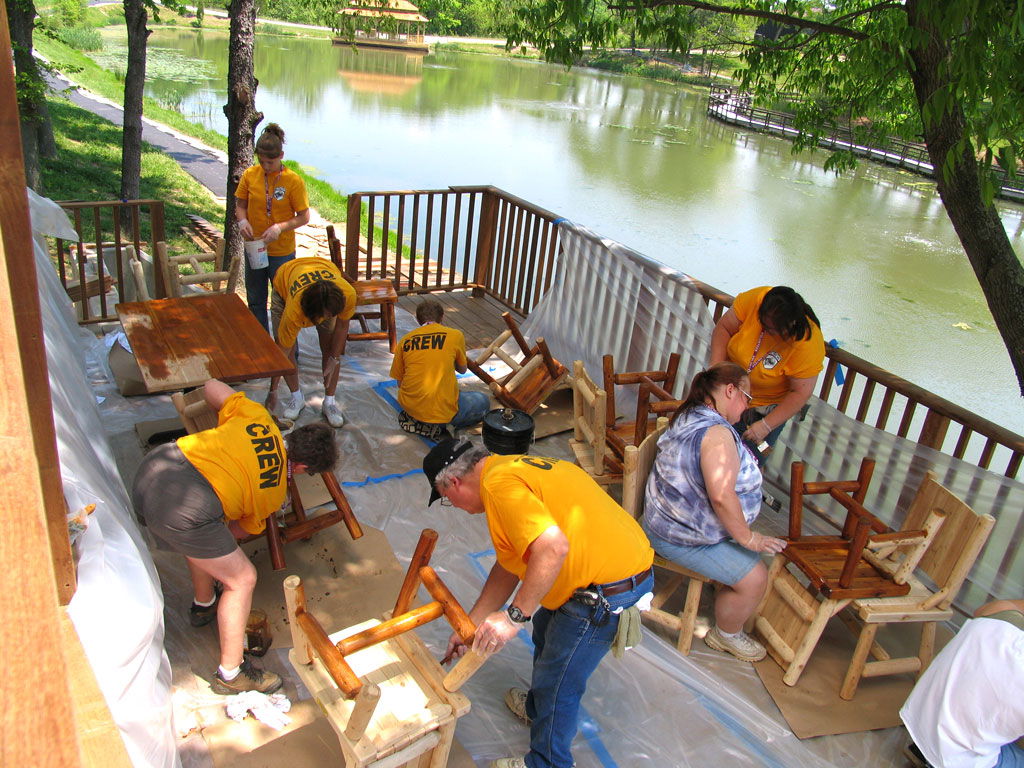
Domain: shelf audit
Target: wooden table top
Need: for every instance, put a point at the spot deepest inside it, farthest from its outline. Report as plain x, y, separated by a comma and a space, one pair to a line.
182, 342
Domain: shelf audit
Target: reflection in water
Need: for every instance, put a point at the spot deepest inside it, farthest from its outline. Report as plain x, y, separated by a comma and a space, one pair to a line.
638, 161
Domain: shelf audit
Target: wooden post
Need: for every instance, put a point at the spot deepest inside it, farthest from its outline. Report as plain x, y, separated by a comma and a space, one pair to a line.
453, 610
420, 558
334, 488
867, 468
417, 617
295, 600
485, 240
355, 209
796, 495
463, 670
366, 703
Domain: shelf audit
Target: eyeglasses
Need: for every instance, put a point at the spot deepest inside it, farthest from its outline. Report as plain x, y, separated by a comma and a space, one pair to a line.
746, 394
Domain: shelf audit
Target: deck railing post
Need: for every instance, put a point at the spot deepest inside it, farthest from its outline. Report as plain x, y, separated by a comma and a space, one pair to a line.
485, 240
157, 234
355, 204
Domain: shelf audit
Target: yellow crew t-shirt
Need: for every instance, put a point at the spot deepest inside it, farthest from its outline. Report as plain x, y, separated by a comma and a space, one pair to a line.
424, 366
243, 458
775, 361
287, 193
292, 279
524, 496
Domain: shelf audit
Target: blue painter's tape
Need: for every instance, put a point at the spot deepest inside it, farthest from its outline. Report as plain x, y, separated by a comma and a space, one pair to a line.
840, 376
381, 479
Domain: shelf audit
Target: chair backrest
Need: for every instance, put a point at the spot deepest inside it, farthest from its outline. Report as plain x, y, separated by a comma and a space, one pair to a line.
637, 467
667, 378
138, 274
216, 281
588, 412
957, 543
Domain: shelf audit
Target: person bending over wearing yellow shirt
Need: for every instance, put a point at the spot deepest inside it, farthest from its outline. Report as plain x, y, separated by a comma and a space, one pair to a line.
424, 367
577, 558
311, 292
199, 494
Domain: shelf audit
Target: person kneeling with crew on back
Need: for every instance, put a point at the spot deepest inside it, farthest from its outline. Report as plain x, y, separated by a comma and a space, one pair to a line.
425, 363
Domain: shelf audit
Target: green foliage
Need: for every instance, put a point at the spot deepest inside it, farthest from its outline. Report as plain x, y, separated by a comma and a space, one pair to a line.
69, 13
82, 38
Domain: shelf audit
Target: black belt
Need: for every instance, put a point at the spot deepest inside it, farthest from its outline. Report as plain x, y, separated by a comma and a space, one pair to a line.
625, 585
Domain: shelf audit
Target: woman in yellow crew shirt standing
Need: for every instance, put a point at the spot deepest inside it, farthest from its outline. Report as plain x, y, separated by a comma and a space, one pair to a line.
270, 204
776, 337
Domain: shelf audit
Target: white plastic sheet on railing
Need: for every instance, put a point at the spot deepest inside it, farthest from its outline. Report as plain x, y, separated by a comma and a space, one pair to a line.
609, 298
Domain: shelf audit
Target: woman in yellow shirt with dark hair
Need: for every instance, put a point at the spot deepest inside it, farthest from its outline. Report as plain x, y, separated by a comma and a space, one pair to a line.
270, 204
774, 335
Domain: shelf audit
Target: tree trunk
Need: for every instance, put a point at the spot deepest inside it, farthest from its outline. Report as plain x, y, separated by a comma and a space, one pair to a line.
977, 223
36, 129
240, 110
135, 18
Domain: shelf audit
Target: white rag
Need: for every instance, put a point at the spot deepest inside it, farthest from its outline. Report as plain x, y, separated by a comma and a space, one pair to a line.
269, 710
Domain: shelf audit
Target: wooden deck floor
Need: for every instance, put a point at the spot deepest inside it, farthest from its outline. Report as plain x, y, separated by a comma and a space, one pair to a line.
479, 319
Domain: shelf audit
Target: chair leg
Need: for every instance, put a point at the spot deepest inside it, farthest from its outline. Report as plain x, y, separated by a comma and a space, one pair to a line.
274, 544
927, 649
389, 315
802, 653
860, 657
688, 616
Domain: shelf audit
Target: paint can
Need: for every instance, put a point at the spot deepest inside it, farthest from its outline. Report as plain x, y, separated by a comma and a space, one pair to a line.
256, 252
508, 431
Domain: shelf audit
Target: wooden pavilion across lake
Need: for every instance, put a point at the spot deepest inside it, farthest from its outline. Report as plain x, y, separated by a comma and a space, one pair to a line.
396, 24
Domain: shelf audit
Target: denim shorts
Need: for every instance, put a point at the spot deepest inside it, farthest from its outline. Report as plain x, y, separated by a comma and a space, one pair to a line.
725, 562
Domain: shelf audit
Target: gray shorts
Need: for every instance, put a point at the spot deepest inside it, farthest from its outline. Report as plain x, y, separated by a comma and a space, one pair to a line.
179, 506
277, 310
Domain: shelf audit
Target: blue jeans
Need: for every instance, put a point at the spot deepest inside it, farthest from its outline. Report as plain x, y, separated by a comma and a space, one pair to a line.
568, 645
1010, 756
473, 406
256, 282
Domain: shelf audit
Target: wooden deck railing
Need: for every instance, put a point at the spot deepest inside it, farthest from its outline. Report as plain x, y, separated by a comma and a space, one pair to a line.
486, 239
455, 238
110, 224
872, 395
735, 107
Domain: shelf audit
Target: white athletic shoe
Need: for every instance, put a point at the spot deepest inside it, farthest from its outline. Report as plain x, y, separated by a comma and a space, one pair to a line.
292, 409
332, 413
508, 762
742, 646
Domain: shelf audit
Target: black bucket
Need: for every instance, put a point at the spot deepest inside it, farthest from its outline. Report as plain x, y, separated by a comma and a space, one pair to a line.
508, 431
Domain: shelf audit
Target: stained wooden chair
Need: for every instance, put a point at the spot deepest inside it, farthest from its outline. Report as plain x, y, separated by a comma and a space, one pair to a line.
590, 442
660, 383
390, 703
196, 415
955, 537
220, 279
531, 380
866, 562
638, 463
369, 293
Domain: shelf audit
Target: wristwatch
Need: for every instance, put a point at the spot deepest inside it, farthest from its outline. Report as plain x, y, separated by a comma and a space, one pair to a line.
517, 616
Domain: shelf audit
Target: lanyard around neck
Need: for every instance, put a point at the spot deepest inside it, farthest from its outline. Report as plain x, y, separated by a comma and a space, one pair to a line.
266, 191
754, 359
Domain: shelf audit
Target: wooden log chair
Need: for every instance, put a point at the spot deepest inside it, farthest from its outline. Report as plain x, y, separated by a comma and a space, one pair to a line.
660, 383
531, 380
590, 442
638, 463
219, 280
197, 415
380, 294
866, 564
138, 275
390, 703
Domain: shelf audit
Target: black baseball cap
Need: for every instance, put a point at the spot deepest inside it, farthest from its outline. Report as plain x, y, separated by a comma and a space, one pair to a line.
439, 457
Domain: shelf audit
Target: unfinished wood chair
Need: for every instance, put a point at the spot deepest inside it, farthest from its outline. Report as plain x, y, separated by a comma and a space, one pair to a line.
839, 569
531, 380
138, 275
955, 536
196, 415
390, 703
216, 281
660, 384
638, 463
369, 293
590, 442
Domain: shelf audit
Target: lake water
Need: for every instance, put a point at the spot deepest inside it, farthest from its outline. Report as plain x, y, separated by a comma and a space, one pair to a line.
873, 252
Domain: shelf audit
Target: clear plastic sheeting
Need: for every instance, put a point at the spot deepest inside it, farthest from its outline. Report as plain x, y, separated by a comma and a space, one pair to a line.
609, 298
117, 607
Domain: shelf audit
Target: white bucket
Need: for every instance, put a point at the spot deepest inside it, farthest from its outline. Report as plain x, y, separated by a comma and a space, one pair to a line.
256, 252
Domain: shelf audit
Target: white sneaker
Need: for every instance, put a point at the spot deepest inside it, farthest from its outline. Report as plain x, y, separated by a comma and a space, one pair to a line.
292, 409
515, 700
742, 646
332, 413
508, 762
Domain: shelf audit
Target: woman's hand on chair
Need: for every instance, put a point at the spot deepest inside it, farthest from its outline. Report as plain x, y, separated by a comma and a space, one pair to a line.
758, 542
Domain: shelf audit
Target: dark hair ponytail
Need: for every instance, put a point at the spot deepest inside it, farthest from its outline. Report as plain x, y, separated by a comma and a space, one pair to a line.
786, 311
706, 382
271, 141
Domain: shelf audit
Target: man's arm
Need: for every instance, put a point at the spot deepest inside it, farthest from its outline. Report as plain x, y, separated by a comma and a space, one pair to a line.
546, 555
495, 592
216, 393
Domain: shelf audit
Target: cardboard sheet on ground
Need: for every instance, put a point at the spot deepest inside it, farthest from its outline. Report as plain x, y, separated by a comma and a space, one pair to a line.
813, 708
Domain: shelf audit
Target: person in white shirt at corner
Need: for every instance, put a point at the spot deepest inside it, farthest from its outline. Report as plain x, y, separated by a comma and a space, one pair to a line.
967, 708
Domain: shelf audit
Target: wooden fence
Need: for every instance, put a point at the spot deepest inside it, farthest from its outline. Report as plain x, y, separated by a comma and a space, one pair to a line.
488, 240
102, 227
